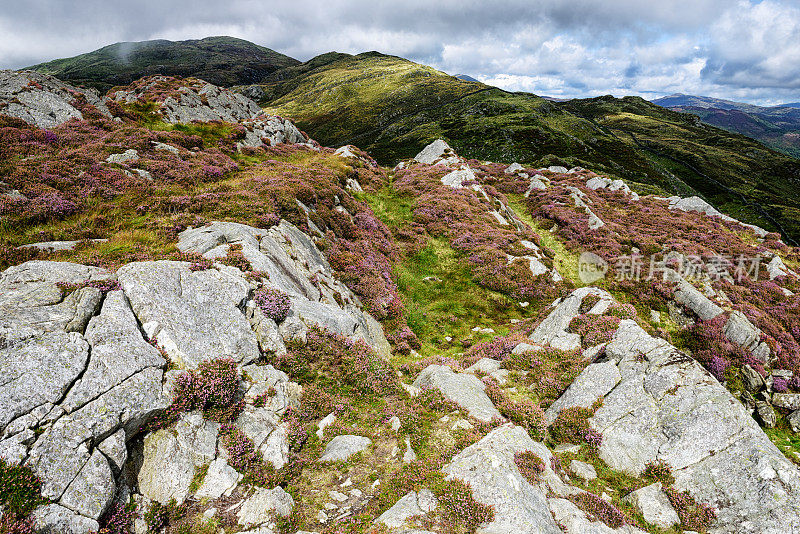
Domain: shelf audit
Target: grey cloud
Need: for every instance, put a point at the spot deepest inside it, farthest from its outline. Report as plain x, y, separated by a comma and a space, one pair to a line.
573, 47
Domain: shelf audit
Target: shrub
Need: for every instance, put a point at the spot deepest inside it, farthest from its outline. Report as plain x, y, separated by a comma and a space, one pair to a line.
594, 329
213, 388
118, 519
693, 515
598, 509
524, 412
458, 510
335, 362
20, 489
659, 471
572, 425
529, 465
273, 302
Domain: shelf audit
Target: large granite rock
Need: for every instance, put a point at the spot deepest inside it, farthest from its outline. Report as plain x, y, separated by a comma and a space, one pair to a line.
488, 466
667, 407
410, 505
464, 389
171, 458
69, 402
42, 100
193, 315
438, 153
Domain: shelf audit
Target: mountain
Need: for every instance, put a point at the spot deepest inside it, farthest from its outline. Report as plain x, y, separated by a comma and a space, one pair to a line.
682, 100
778, 127
393, 107
209, 322
223, 61
791, 105
465, 77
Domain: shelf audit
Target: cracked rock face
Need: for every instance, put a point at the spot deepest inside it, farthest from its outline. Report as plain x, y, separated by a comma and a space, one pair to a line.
665, 406
72, 392
194, 315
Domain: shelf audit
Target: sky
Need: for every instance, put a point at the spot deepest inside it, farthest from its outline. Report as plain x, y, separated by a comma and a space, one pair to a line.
742, 50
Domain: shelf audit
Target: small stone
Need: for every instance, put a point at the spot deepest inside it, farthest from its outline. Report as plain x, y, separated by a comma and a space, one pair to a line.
654, 505
343, 447
462, 424
790, 401
337, 496
766, 414
583, 470
347, 483
794, 421
394, 423
753, 381
567, 448
409, 456
324, 423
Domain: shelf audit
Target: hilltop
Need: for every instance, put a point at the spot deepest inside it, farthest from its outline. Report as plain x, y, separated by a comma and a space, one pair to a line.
222, 61
393, 107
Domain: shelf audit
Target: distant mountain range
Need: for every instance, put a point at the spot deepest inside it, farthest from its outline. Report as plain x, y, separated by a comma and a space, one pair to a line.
392, 107
777, 126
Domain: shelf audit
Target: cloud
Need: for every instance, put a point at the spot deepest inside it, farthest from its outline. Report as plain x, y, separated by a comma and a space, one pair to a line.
743, 49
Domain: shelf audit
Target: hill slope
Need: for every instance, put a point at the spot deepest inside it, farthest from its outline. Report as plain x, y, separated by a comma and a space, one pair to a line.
225, 335
393, 107
220, 60
778, 127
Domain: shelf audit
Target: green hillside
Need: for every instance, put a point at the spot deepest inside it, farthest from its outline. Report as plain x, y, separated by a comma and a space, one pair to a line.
393, 107
220, 60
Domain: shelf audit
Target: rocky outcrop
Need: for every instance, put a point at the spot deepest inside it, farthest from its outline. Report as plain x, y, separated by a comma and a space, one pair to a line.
666, 407
701, 206
42, 100
194, 100
268, 130
554, 329
292, 261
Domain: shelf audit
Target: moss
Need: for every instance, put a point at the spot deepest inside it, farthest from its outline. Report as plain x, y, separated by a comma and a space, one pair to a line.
197, 479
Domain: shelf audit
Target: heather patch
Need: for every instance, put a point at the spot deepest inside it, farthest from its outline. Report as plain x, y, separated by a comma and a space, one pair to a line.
693, 515
273, 302
598, 509
336, 362
572, 426
530, 466
522, 411
20, 490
